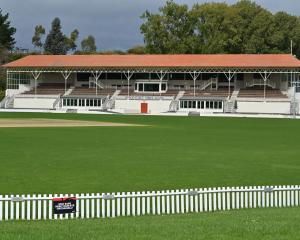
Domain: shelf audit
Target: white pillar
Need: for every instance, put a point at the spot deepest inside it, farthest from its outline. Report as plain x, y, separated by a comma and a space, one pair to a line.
128, 75
66, 75
35, 75
96, 76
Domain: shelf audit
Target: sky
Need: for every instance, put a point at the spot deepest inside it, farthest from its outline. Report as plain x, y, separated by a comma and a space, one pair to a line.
114, 23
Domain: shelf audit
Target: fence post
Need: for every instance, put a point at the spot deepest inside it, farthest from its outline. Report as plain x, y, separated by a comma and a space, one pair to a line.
158, 203
133, 204
148, 203
268, 197
233, 199
209, 200
93, 206
153, 203
128, 204
228, 198
182, 200
138, 204
288, 198
28, 207
196, 200
44, 204
113, 206
172, 202
108, 207
223, 199
201, 200
272, 197
50, 206
163, 203
168, 202
118, 205
6, 208
82, 206
284, 196
143, 204
87, 205
205, 200
177, 202
293, 196
17, 209
1, 207
12, 208
78, 210
123, 205
296, 196
251, 197
39, 207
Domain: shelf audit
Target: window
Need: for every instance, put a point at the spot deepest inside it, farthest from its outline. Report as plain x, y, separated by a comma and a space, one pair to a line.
194, 104
151, 87
207, 104
220, 105
216, 105
163, 87
184, 104
141, 87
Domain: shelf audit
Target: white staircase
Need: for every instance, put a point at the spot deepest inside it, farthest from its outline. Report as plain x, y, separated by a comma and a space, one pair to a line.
69, 91
174, 105
209, 83
57, 103
93, 83
109, 102
7, 102
229, 106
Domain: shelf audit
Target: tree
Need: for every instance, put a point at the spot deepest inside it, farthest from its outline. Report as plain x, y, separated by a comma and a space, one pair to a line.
56, 42
244, 27
39, 31
72, 39
169, 31
88, 45
255, 27
7, 40
215, 28
137, 49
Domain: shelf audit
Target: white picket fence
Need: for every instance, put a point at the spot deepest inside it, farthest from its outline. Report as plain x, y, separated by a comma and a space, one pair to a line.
32, 207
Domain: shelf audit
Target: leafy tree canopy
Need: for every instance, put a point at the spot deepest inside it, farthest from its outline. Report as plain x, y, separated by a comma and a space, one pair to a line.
56, 42
244, 27
7, 40
88, 45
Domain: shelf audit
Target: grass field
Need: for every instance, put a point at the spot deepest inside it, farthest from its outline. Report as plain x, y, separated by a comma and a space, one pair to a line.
266, 224
166, 153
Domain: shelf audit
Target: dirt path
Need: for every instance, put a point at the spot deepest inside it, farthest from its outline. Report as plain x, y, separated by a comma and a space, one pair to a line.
39, 122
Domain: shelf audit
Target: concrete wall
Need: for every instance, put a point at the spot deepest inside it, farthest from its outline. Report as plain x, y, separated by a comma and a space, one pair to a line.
34, 103
134, 106
263, 107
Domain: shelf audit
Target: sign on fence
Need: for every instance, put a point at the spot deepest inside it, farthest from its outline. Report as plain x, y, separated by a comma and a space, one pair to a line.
64, 205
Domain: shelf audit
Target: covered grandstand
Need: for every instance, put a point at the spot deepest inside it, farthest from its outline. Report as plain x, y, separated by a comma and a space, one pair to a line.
242, 83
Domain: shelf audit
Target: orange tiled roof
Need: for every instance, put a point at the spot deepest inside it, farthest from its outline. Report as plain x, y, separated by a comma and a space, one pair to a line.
164, 61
